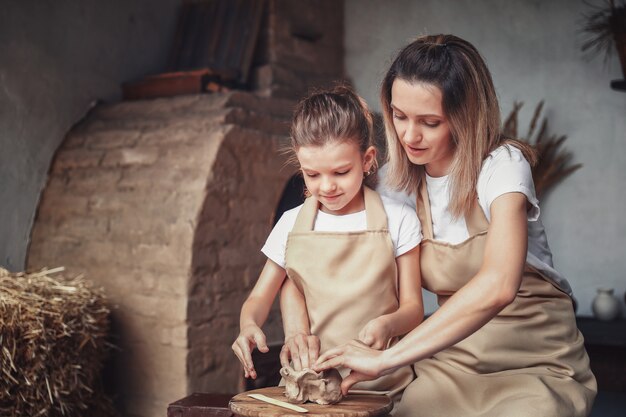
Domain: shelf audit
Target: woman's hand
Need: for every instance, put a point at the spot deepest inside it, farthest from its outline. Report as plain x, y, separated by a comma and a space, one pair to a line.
249, 337
302, 349
376, 333
366, 363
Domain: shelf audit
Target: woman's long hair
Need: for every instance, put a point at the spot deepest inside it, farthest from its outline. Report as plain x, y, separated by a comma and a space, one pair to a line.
469, 103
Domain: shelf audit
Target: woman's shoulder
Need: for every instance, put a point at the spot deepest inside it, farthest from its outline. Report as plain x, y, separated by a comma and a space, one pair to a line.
505, 158
506, 153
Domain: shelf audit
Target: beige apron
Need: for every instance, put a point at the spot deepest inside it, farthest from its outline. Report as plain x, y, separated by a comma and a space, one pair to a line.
348, 279
529, 360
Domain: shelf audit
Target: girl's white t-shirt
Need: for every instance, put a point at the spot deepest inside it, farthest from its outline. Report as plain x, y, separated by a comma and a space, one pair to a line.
504, 171
402, 222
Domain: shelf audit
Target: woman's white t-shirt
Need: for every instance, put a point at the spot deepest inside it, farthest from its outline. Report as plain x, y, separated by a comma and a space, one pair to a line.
402, 222
504, 171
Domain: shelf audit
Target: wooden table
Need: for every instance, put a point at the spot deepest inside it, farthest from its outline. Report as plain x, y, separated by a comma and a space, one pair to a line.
201, 405
354, 405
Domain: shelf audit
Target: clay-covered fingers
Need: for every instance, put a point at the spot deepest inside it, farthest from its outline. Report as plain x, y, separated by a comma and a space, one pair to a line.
314, 348
354, 355
249, 337
301, 349
242, 351
261, 343
352, 379
375, 334
332, 358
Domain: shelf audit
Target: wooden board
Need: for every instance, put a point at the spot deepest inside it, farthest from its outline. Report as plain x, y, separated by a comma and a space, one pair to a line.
354, 405
218, 34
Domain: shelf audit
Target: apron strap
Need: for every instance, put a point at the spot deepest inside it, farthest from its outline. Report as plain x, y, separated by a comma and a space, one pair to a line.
306, 216
374, 210
423, 209
475, 221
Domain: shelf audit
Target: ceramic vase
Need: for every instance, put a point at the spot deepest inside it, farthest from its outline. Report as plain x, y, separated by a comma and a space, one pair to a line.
605, 305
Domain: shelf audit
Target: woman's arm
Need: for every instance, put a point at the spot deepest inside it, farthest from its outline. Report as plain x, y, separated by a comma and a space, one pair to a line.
410, 311
254, 312
490, 290
300, 345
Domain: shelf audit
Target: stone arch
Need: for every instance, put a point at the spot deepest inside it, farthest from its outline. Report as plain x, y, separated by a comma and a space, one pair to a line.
140, 198
226, 255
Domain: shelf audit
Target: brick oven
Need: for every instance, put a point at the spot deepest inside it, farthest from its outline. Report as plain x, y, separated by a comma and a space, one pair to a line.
166, 202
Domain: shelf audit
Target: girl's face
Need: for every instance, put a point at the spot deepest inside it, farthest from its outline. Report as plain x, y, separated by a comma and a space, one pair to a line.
333, 174
421, 125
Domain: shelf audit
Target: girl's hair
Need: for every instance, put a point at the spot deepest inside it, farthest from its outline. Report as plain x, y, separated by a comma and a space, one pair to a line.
469, 103
334, 115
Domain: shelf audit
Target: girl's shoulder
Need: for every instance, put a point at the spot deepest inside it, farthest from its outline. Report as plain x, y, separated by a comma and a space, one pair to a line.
288, 219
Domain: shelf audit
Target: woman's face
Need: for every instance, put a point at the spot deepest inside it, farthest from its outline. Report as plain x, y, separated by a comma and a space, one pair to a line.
421, 125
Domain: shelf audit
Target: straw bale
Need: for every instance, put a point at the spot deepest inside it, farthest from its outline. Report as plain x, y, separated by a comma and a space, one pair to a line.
53, 343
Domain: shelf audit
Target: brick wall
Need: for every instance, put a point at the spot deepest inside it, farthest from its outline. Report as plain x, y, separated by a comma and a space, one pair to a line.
165, 203
301, 46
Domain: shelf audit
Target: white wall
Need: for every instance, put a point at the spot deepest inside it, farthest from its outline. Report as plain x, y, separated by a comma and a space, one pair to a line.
56, 59
533, 50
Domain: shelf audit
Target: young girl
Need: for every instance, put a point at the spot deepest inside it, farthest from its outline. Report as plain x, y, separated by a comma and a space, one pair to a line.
351, 257
504, 340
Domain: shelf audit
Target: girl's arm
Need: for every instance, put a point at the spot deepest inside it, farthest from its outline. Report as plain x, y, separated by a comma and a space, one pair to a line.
490, 290
410, 311
254, 312
300, 345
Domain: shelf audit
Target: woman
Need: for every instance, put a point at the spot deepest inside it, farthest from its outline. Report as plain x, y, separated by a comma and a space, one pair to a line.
504, 341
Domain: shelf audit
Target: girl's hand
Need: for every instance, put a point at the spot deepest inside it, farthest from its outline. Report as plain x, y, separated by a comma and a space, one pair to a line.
366, 363
249, 337
302, 349
376, 334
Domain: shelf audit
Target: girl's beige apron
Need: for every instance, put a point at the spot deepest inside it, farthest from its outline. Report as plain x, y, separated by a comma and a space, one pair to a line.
348, 279
527, 361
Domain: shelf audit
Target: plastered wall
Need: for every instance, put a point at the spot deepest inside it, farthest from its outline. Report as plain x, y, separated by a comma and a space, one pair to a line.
56, 59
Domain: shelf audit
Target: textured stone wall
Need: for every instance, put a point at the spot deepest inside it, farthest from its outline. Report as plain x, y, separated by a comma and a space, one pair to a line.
165, 203
301, 47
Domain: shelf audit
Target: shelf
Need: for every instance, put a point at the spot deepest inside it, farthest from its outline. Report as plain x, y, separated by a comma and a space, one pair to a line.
619, 85
605, 333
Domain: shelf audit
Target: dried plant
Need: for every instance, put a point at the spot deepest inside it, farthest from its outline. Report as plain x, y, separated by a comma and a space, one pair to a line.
53, 343
554, 163
602, 25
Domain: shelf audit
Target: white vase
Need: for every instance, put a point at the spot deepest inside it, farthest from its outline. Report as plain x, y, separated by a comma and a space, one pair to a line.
605, 305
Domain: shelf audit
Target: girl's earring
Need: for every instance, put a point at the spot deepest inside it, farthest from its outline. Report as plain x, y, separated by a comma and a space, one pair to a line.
370, 172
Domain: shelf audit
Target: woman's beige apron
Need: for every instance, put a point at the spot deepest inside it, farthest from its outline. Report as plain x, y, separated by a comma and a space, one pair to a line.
348, 279
529, 360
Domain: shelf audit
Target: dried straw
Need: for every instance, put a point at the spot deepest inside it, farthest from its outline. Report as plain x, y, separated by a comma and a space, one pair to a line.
53, 345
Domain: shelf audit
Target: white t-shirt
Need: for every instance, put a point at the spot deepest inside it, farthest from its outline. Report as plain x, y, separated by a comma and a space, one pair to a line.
404, 228
504, 171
